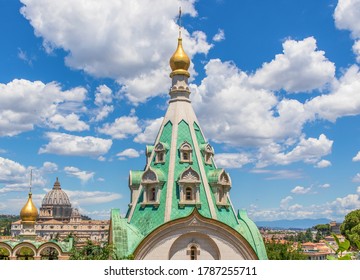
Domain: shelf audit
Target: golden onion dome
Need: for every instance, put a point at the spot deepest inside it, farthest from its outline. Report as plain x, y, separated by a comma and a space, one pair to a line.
29, 212
179, 62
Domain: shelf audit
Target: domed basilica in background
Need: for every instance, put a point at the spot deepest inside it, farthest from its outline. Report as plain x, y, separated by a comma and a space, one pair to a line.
57, 219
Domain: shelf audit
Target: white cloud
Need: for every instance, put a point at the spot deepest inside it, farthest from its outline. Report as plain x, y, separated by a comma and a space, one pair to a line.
70, 122
300, 190
325, 186
84, 176
344, 100
279, 174
49, 167
300, 68
71, 145
232, 160
308, 150
238, 109
284, 203
357, 157
103, 95
16, 177
356, 50
347, 16
122, 127
356, 178
323, 164
90, 198
124, 40
151, 130
220, 36
25, 104
128, 153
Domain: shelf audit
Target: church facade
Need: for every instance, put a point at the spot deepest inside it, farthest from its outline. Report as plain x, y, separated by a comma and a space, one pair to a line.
180, 207
57, 220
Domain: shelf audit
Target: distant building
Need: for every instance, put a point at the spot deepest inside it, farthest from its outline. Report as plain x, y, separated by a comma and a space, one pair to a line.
28, 245
316, 251
335, 227
58, 220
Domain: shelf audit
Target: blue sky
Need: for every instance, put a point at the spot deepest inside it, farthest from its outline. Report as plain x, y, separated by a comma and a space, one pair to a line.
275, 85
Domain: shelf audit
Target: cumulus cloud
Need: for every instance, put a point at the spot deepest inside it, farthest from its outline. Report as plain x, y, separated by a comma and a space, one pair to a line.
324, 186
323, 164
357, 157
149, 133
90, 198
220, 36
243, 109
122, 127
300, 190
49, 167
84, 176
16, 177
300, 68
232, 160
284, 203
71, 145
103, 97
25, 104
124, 40
309, 150
128, 153
356, 178
347, 16
344, 100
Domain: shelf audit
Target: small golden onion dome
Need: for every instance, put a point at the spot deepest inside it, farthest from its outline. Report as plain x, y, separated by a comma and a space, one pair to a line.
179, 62
29, 212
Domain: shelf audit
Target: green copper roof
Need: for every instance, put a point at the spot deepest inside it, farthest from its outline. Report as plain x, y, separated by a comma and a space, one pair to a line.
135, 177
250, 231
125, 236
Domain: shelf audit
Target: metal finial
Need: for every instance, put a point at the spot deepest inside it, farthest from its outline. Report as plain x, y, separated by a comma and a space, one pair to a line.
179, 22
30, 179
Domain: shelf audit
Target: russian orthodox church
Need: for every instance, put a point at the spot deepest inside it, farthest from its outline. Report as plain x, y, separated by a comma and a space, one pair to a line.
180, 206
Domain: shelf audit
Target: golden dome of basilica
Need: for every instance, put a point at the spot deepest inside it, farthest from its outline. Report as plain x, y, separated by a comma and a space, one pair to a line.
29, 212
179, 62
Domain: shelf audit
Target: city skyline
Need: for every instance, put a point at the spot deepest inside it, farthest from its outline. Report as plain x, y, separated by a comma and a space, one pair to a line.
275, 87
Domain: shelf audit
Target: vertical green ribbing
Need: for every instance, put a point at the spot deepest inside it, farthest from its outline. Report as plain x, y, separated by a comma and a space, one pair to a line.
226, 216
148, 218
176, 212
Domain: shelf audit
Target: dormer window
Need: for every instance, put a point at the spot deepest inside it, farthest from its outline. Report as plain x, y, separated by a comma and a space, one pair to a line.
220, 183
208, 153
189, 188
152, 182
160, 150
186, 152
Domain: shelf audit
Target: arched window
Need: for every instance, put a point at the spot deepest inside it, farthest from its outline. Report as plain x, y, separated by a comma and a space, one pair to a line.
188, 194
160, 150
186, 152
193, 253
189, 188
152, 194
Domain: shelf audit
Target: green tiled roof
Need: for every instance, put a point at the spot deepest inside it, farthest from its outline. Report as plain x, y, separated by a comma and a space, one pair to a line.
135, 177
125, 236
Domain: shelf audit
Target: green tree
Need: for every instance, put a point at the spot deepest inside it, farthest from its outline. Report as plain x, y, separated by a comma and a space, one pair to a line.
308, 236
278, 251
92, 251
350, 228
